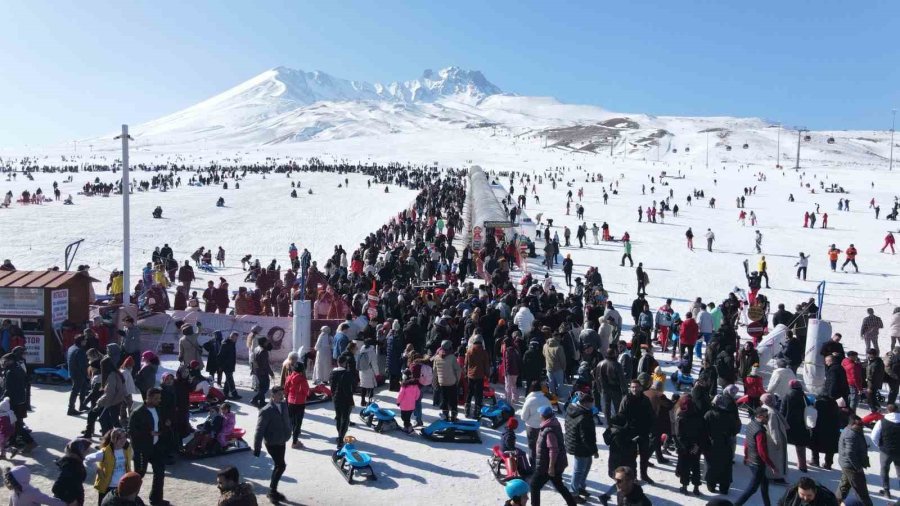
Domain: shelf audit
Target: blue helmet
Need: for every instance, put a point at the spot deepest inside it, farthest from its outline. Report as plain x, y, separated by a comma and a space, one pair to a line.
516, 488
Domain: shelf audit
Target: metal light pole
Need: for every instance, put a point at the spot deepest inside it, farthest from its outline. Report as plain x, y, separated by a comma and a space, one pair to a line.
893, 118
126, 221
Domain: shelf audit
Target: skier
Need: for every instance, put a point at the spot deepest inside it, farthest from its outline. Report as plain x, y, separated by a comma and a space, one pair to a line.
627, 254
758, 241
850, 258
889, 242
710, 237
690, 238
801, 265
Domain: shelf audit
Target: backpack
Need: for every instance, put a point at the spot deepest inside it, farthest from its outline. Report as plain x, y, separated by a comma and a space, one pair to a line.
426, 375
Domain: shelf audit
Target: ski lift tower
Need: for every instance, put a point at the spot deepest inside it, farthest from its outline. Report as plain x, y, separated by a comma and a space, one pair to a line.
800, 131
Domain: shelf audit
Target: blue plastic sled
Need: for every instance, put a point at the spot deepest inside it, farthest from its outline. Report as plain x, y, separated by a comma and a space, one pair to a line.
682, 380
445, 431
382, 419
498, 414
51, 375
350, 461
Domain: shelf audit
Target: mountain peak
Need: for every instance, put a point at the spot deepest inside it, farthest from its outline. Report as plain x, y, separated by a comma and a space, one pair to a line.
309, 87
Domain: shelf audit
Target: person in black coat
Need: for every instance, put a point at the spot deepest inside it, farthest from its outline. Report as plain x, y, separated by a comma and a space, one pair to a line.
793, 351
76, 361
150, 431
69, 485
723, 426
836, 385
581, 441
638, 413
273, 427
689, 432
793, 407
827, 430
14, 384
226, 359
342, 381
213, 347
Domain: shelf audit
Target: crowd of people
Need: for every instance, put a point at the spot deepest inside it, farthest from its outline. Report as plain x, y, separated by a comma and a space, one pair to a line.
425, 319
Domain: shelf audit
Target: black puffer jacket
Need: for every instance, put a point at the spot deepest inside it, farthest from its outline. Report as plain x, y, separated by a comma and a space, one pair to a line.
69, 486
581, 434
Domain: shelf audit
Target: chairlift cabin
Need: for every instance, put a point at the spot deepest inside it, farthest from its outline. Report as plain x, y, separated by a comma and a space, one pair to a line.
746, 146
831, 140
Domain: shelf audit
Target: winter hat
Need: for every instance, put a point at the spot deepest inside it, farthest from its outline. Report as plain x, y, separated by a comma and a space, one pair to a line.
194, 364
262, 341
731, 391
129, 484
128, 362
512, 423
187, 330
396, 325
166, 376
446, 345
546, 412
794, 383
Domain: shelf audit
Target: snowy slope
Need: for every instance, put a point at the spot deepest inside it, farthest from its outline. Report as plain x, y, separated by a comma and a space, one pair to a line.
284, 107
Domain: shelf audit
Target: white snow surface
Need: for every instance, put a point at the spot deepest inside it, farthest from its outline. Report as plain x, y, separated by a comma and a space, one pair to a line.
262, 219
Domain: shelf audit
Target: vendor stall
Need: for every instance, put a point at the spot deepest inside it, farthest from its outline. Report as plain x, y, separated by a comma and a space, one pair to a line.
37, 304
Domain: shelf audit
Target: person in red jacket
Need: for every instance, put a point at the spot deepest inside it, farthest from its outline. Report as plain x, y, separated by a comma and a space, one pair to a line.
889, 242
687, 337
854, 370
297, 389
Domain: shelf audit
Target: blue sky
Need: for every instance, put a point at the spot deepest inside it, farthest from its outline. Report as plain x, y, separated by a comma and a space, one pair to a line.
77, 69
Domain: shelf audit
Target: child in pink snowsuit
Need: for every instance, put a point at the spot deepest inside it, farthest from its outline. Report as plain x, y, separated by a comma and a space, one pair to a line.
406, 399
7, 426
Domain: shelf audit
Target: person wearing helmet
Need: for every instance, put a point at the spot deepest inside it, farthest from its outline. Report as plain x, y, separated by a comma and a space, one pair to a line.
517, 492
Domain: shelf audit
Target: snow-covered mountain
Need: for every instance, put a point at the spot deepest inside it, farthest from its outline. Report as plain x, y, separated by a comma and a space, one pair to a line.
284, 106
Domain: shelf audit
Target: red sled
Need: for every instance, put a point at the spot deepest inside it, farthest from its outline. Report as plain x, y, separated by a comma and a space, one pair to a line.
319, 393
508, 467
200, 403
